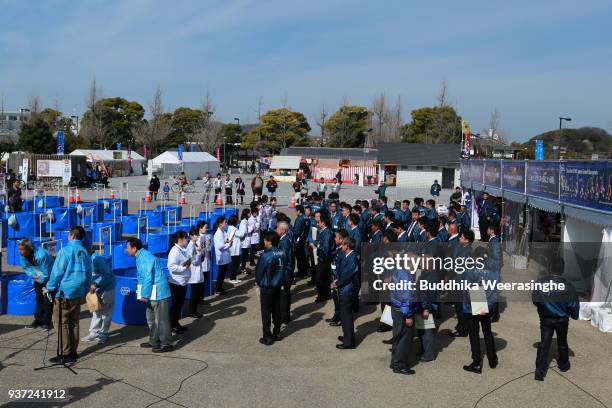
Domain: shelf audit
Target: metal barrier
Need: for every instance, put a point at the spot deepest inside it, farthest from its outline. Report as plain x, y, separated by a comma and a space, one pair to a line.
91, 211
168, 220
115, 204
51, 246
108, 228
146, 227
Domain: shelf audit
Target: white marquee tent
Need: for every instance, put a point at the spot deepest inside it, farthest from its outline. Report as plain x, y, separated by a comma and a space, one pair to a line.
118, 159
194, 164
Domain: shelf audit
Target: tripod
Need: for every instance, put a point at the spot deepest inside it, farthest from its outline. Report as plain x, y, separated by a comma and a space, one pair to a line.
60, 339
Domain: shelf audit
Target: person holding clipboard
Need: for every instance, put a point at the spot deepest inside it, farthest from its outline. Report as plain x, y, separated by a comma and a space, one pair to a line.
154, 290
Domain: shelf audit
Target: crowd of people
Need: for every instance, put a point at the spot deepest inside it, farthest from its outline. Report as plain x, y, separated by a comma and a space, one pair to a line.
323, 244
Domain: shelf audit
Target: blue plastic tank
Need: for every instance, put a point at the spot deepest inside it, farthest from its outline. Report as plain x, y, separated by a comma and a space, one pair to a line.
128, 310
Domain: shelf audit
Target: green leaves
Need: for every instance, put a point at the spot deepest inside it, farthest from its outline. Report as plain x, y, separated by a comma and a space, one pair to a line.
346, 127
36, 136
279, 128
433, 125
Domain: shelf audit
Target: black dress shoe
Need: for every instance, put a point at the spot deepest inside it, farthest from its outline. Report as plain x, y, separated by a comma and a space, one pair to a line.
266, 341
276, 337
493, 363
335, 324
473, 368
179, 330
331, 320
390, 341
146, 345
343, 347
457, 334
340, 338
538, 377
163, 349
33, 325
385, 328
403, 370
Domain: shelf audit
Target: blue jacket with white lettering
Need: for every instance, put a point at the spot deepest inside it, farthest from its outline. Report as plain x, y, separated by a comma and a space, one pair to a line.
285, 245
43, 264
270, 270
404, 299
150, 273
556, 303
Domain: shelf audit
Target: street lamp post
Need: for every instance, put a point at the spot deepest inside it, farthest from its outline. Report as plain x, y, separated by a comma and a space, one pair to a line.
238, 135
561, 119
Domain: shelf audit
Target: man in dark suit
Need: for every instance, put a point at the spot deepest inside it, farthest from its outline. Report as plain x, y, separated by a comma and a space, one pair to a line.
376, 232
286, 246
347, 285
325, 252
339, 236
486, 212
301, 230
495, 258
462, 249
354, 232
442, 232
412, 227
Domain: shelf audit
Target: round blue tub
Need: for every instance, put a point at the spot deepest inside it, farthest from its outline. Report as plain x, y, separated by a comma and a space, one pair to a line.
128, 310
18, 290
154, 217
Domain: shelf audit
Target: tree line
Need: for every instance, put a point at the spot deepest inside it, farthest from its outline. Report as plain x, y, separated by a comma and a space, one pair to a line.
111, 120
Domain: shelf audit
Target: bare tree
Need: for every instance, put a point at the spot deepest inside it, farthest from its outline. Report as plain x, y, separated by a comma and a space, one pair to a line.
35, 104
495, 131
92, 129
155, 130
323, 114
208, 134
379, 109
443, 95
395, 121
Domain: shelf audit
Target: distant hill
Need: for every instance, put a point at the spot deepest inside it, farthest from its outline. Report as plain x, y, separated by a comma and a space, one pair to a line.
579, 143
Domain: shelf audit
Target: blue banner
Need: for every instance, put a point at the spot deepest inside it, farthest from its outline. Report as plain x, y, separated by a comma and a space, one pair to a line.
513, 175
543, 179
539, 150
118, 146
60, 142
476, 171
180, 152
587, 183
492, 173
191, 147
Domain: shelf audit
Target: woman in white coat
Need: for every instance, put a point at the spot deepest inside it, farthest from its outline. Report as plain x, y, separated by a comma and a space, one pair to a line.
196, 280
222, 252
233, 234
205, 242
244, 233
254, 225
179, 266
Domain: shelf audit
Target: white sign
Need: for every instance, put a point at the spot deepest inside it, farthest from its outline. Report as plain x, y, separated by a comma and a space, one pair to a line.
25, 169
67, 172
50, 168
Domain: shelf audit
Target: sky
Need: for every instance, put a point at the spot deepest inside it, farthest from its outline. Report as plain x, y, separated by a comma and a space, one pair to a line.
532, 60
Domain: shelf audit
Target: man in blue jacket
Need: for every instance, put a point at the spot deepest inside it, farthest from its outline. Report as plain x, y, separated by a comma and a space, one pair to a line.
325, 253
486, 214
270, 274
435, 189
404, 306
37, 264
464, 219
102, 284
286, 247
555, 308
338, 256
69, 282
301, 230
495, 257
155, 292
347, 286
412, 226
354, 232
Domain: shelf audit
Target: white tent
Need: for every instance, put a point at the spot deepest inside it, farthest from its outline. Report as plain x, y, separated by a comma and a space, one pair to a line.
194, 164
285, 162
118, 159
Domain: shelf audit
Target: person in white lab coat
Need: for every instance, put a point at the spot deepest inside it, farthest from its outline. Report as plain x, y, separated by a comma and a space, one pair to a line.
233, 235
222, 252
205, 242
196, 280
244, 233
179, 263
254, 225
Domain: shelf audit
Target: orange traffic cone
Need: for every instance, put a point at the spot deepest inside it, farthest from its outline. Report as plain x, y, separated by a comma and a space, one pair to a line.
112, 194
71, 198
182, 199
292, 203
219, 199
148, 199
78, 196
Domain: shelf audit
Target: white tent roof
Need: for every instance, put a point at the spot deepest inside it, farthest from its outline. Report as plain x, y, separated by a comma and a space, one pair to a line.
188, 157
286, 162
106, 155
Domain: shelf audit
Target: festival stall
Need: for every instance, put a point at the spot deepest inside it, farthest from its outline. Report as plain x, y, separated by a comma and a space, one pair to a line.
117, 162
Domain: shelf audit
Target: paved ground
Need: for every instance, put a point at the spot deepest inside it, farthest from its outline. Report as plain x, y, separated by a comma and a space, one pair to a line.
219, 362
